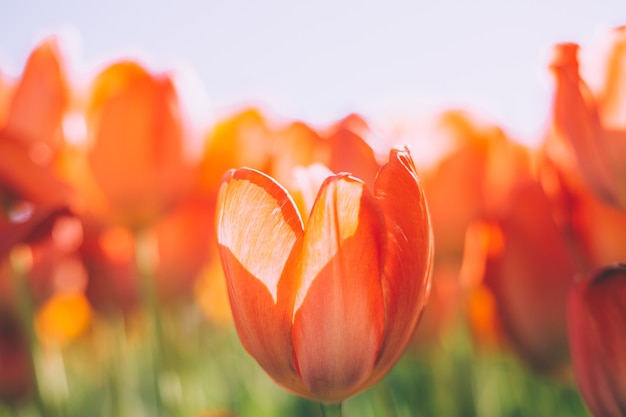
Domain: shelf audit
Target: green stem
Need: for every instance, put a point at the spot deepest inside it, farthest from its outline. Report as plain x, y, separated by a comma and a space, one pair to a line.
145, 260
20, 262
331, 410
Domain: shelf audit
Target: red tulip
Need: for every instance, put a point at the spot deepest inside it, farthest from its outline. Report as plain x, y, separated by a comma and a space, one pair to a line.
597, 325
326, 309
529, 269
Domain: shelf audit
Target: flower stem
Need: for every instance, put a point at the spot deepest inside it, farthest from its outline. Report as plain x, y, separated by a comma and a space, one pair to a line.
331, 410
146, 258
20, 261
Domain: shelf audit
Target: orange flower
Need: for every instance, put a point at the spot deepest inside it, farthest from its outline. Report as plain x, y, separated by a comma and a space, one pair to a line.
31, 115
39, 102
597, 322
467, 183
136, 143
592, 120
326, 309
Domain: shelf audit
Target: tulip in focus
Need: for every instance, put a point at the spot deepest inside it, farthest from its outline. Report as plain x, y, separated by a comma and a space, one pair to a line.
597, 324
326, 308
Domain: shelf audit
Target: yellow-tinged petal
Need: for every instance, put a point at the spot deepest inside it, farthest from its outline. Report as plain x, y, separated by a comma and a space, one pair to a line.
409, 253
338, 323
258, 226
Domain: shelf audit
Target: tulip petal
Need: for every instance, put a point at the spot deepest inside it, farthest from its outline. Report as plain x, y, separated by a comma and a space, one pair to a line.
596, 320
338, 320
409, 254
258, 226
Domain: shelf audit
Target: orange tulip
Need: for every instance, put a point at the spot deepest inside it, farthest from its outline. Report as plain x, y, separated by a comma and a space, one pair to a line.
244, 139
31, 115
326, 309
468, 182
136, 143
39, 102
592, 120
597, 325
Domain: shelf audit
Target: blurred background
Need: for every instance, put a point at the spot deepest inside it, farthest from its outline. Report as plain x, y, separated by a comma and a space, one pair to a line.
323, 59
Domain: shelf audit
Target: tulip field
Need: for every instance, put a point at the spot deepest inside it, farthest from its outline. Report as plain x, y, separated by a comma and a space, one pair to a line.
257, 265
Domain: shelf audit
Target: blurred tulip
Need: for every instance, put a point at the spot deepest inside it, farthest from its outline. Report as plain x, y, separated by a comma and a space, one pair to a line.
472, 178
184, 239
326, 309
251, 139
597, 324
529, 269
592, 122
244, 139
549, 228
136, 144
349, 150
31, 130
465, 184
39, 102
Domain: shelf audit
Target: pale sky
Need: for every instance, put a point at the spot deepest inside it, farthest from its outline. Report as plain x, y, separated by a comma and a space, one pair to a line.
319, 60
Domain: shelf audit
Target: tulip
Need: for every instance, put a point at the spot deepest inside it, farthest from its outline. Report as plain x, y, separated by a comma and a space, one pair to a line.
38, 104
31, 115
591, 120
326, 309
467, 183
596, 324
136, 144
529, 269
